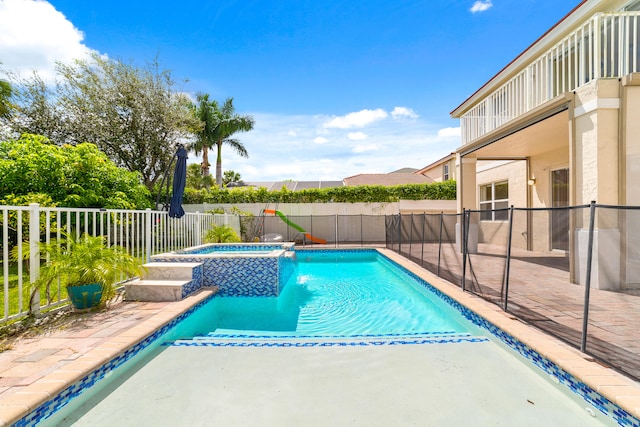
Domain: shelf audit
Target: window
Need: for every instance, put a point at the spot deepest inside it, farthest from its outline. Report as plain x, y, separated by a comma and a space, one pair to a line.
494, 196
445, 172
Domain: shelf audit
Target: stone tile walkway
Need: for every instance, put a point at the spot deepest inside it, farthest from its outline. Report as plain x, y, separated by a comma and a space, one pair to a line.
541, 293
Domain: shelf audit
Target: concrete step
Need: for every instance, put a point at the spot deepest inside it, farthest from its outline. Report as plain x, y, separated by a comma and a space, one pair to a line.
169, 270
155, 290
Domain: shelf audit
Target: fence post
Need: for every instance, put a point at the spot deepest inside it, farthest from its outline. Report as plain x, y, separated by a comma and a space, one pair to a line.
198, 239
424, 220
411, 236
336, 243
505, 283
147, 235
34, 255
587, 284
440, 243
399, 232
465, 214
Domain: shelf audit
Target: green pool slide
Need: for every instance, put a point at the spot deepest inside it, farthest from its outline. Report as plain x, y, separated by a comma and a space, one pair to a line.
284, 218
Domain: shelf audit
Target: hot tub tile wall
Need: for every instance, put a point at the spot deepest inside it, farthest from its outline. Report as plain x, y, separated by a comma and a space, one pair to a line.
286, 268
236, 276
196, 282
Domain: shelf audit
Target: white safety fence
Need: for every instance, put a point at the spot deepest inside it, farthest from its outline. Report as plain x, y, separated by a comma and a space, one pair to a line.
141, 232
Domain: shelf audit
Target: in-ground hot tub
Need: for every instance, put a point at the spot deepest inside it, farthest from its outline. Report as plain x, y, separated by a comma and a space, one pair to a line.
247, 269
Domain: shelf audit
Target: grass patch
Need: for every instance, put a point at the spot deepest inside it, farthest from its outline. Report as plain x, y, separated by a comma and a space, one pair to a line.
16, 305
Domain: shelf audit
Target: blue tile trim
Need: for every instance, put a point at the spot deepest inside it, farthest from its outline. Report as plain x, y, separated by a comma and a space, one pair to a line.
323, 343
447, 333
50, 406
245, 247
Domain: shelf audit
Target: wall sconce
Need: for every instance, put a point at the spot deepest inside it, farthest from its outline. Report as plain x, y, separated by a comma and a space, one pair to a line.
532, 181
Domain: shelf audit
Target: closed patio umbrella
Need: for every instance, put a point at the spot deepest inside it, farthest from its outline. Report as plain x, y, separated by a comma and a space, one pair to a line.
179, 182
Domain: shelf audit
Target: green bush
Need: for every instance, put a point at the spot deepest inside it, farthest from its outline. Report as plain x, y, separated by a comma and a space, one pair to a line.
221, 234
79, 176
359, 194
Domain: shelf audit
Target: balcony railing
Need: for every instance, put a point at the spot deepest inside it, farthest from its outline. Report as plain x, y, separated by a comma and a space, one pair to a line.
605, 46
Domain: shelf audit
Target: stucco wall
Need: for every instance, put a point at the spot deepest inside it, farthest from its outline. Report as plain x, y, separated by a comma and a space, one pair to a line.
596, 142
515, 172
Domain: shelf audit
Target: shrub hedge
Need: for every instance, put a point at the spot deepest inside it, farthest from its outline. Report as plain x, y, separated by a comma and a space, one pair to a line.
358, 194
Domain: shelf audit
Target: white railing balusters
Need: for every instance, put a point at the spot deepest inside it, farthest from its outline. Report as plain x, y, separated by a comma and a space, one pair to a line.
141, 233
605, 46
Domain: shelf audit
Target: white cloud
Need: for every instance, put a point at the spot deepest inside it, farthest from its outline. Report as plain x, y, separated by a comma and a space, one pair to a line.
34, 35
400, 112
292, 133
363, 148
357, 136
320, 140
390, 145
481, 6
449, 132
357, 119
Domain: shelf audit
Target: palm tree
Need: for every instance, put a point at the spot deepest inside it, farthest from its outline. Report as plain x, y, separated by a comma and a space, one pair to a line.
219, 124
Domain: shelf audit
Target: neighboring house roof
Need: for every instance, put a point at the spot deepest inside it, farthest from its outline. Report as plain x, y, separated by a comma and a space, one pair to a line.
437, 163
405, 170
386, 179
294, 185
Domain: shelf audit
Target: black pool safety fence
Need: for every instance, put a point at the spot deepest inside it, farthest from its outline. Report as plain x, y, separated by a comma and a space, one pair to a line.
332, 230
573, 272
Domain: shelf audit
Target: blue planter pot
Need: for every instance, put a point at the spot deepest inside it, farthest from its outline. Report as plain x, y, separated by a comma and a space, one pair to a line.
85, 296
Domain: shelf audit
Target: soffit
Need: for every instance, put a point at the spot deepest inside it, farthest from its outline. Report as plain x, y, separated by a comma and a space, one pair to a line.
544, 136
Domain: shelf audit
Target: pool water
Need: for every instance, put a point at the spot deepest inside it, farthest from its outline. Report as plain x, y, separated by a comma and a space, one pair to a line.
351, 293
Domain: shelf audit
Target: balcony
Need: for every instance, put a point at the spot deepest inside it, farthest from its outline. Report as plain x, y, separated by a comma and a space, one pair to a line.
605, 46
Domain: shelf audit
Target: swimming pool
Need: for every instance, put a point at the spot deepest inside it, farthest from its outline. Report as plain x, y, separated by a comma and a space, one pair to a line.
339, 294
196, 373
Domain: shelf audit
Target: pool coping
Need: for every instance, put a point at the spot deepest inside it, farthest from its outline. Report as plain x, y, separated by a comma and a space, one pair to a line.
615, 387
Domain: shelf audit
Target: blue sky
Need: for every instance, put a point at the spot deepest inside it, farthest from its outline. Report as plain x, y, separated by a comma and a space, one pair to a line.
337, 87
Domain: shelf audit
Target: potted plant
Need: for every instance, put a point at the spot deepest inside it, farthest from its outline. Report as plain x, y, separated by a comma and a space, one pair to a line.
85, 265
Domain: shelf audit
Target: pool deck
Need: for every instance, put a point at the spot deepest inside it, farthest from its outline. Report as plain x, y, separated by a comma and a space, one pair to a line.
35, 369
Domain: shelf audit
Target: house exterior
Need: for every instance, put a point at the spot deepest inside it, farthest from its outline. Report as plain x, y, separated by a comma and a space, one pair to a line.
563, 121
441, 170
385, 179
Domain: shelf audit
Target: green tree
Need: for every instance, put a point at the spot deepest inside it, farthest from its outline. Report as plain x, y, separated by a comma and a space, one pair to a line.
206, 112
219, 124
5, 96
135, 115
72, 176
195, 179
230, 176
